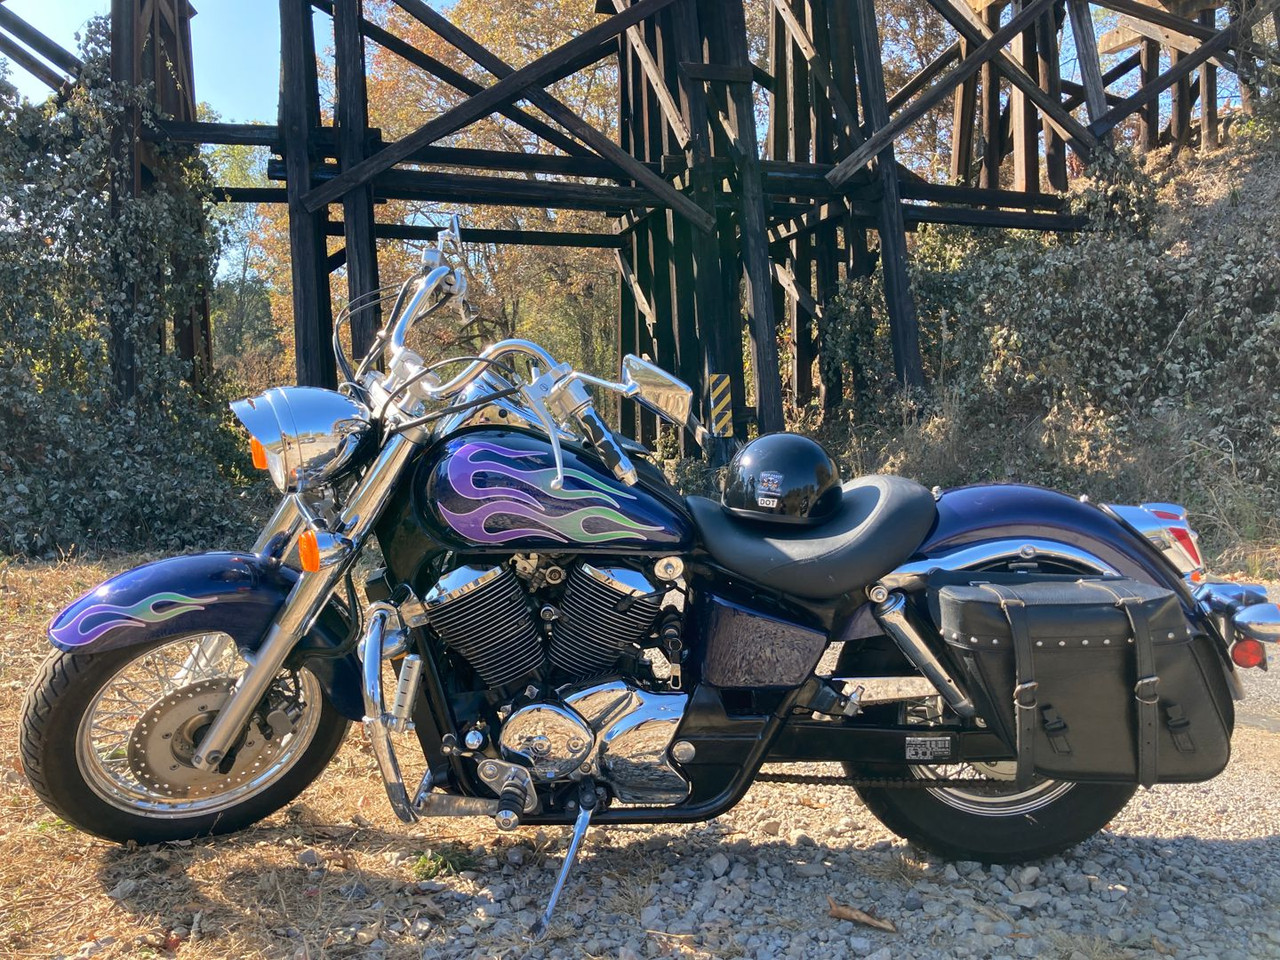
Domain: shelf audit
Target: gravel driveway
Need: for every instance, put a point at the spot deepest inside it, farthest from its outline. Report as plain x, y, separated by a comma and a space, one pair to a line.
1186, 871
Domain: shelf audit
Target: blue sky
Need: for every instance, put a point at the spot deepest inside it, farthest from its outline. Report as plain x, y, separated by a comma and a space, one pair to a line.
236, 50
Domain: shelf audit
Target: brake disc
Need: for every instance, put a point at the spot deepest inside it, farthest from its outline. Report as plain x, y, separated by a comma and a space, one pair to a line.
165, 739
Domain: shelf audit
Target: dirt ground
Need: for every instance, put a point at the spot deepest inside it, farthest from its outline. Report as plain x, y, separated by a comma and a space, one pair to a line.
284, 889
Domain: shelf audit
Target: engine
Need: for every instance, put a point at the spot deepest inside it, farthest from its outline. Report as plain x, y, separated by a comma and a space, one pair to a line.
574, 694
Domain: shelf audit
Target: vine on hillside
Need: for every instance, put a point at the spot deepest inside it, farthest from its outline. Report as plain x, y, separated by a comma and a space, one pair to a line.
79, 465
1134, 359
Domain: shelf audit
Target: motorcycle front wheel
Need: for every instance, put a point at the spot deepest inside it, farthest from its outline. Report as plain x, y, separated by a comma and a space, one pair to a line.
107, 740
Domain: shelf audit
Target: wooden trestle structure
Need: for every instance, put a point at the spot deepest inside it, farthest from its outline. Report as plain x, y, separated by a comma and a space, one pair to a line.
715, 232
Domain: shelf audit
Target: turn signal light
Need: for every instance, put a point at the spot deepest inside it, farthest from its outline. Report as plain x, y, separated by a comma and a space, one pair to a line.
258, 452
1248, 652
309, 551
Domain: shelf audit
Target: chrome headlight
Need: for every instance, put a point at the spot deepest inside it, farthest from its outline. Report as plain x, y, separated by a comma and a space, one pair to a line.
306, 435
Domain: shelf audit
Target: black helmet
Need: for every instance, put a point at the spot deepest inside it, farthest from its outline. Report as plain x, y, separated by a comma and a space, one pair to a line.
784, 478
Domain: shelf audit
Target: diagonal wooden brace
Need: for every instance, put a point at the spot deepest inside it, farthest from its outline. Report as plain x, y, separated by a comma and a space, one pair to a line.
563, 115
506, 90
971, 26
984, 52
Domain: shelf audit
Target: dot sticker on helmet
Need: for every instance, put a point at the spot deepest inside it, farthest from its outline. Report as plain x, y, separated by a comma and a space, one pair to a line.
769, 502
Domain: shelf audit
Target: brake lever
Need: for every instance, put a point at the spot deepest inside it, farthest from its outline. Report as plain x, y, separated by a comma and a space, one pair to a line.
534, 403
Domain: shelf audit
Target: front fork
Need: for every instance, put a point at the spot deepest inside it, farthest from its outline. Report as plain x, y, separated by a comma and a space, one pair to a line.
309, 594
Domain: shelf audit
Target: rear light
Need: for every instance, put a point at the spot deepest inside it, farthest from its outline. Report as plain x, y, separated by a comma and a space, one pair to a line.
1248, 652
1188, 544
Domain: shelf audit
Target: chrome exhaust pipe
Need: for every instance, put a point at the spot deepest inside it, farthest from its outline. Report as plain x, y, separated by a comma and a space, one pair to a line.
891, 614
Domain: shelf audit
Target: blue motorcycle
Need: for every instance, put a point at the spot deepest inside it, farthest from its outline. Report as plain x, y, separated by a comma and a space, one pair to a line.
465, 551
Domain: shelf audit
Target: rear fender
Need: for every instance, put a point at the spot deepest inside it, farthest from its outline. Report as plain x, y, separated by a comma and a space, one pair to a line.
969, 515
237, 594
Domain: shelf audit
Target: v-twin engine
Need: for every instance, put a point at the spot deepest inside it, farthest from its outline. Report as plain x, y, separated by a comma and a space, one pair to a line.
594, 723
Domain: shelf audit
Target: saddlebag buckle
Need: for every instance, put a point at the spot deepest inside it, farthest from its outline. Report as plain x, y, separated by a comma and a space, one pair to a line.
1024, 695
1145, 690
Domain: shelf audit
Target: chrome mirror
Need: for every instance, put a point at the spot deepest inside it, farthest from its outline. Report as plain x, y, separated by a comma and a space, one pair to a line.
657, 389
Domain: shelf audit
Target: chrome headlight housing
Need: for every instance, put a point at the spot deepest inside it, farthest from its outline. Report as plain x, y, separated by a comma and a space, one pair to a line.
309, 435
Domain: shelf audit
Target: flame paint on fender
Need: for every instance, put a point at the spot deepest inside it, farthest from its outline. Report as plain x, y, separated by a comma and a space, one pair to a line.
97, 619
493, 488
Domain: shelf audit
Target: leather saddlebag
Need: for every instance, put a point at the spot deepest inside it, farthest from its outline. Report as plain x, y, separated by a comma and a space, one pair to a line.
1099, 680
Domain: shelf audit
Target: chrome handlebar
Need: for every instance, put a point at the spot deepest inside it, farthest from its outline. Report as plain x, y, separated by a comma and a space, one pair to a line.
556, 394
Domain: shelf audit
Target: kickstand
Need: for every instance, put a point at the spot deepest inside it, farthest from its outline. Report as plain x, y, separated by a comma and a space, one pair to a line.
586, 807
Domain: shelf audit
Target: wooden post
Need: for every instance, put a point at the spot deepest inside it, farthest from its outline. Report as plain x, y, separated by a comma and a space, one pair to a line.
903, 325
1240, 10
357, 204
1180, 120
1208, 97
1149, 115
124, 69
992, 140
299, 116
726, 22
1026, 133
716, 319
1049, 71
962, 124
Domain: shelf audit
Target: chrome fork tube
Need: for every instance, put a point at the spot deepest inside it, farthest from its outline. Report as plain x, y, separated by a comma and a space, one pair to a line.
304, 603
287, 519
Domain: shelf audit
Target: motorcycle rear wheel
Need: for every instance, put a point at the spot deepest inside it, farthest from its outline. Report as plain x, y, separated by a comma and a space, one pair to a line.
994, 821
107, 740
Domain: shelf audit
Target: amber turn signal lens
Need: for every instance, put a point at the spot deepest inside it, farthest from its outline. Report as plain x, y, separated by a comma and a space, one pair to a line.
259, 453
309, 551
1248, 652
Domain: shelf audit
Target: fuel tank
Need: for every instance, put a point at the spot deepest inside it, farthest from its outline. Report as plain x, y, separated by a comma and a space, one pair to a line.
489, 489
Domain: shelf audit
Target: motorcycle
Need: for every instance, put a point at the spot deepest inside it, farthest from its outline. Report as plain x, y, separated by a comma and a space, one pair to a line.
569, 641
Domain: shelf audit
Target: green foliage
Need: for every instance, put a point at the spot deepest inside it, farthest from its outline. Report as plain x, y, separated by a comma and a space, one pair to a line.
1135, 360
88, 274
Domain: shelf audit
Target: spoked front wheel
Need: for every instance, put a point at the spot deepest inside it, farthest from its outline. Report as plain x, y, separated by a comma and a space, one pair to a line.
108, 740
994, 820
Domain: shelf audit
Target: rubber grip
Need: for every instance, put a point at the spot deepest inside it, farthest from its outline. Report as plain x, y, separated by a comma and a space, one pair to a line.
602, 439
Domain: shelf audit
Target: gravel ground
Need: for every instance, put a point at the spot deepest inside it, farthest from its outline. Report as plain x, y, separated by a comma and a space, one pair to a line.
1261, 705
1185, 871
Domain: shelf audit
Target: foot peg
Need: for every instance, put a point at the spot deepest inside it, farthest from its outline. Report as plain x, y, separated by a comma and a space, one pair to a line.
587, 801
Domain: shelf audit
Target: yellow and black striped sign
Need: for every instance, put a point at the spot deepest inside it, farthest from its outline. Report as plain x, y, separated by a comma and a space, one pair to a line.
721, 405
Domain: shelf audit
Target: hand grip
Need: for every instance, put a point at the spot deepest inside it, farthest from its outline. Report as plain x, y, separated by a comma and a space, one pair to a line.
602, 439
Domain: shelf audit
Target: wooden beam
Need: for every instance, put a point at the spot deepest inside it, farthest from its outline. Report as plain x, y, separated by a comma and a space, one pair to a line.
250, 195
1003, 219
1178, 24
1208, 98
38, 42
904, 327
237, 134
670, 110
888, 133
1049, 72
945, 193
637, 291
481, 104
1149, 115
820, 70
975, 29
1022, 113
802, 296
922, 79
562, 114
308, 258
351, 113
524, 238
1180, 71
1172, 38
442, 71
989, 121
31, 63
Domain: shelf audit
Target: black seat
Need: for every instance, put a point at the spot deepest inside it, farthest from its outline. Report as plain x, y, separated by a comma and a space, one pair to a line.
880, 523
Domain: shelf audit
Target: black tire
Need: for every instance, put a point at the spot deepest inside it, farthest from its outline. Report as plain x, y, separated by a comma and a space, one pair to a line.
1010, 832
68, 686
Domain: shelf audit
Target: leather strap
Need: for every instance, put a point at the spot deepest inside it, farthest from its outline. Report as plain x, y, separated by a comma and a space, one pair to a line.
1024, 694
1179, 728
1146, 690
1055, 729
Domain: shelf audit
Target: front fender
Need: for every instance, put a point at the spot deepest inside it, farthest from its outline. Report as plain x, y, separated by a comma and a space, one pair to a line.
237, 594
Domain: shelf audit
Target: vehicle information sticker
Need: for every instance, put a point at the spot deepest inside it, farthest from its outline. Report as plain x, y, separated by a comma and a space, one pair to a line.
929, 748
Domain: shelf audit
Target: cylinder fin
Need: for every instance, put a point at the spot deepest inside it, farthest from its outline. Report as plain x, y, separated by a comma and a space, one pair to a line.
483, 614
602, 614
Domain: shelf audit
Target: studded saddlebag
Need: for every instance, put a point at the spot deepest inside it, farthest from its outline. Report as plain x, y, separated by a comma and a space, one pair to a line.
1092, 679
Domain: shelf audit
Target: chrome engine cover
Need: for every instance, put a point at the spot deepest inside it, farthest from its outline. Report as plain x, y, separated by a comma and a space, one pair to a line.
550, 738
626, 733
